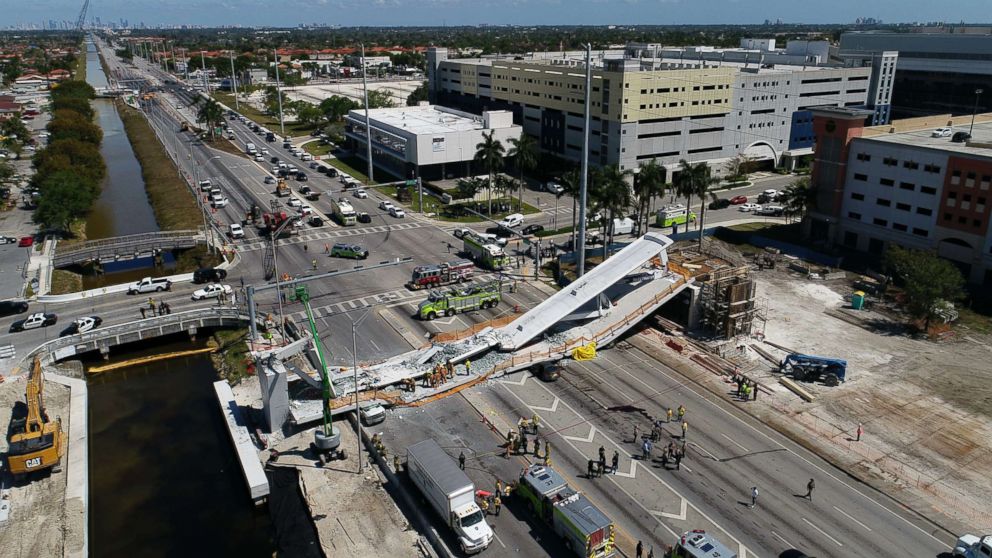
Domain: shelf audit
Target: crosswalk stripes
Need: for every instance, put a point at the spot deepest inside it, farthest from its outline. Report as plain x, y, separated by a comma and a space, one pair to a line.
327, 235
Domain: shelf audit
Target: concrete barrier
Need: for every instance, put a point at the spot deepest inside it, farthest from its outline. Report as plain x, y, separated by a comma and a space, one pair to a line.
112, 289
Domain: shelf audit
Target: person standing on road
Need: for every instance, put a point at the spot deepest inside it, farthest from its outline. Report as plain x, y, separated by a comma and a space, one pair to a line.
616, 462
314, 262
646, 450
142, 308
590, 469
670, 413
602, 457
754, 496
678, 460
861, 430
461, 460
639, 552
681, 412
809, 489
685, 429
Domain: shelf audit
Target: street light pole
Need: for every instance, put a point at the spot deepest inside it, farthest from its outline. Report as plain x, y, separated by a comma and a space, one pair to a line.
368, 122
234, 84
978, 93
580, 242
282, 125
354, 361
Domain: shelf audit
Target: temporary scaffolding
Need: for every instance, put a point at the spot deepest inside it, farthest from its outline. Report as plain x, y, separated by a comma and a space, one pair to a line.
727, 300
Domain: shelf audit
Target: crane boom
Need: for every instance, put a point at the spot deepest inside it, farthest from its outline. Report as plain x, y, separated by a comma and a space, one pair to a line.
81, 21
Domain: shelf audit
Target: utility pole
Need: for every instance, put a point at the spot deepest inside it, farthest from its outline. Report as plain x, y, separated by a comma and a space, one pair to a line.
368, 121
282, 125
978, 93
580, 242
203, 68
354, 360
234, 84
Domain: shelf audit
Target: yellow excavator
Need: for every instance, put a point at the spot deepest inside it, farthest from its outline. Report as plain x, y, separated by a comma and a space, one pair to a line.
36, 442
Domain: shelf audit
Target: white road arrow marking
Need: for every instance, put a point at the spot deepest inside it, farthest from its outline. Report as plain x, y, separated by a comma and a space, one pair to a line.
587, 439
679, 516
633, 471
551, 409
520, 382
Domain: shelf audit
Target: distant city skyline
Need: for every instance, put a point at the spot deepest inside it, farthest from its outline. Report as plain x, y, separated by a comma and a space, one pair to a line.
347, 13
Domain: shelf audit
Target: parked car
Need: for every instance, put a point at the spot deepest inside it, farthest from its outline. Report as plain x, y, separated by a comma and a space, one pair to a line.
321, 168
9, 307
314, 164
771, 193
332, 172
236, 231
150, 285
82, 325
315, 221
353, 251
34, 321
719, 203
746, 207
386, 205
7, 240
942, 133
771, 210
364, 217
397, 212
212, 291
360, 194
459, 233
960, 137
209, 275
26, 241
548, 371
554, 188
737, 200
532, 229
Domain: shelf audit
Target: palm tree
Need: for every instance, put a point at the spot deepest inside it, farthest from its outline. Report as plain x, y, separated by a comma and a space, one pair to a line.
489, 155
210, 114
570, 182
614, 196
798, 198
649, 184
524, 154
696, 180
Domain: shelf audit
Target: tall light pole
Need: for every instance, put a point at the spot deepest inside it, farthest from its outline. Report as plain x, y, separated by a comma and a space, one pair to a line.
580, 242
282, 125
203, 68
368, 122
978, 93
354, 362
234, 84
208, 231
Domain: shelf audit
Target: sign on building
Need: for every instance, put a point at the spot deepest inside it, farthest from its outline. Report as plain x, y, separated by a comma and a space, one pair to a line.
438, 144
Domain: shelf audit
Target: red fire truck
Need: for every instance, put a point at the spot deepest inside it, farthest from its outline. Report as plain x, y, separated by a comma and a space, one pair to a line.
426, 276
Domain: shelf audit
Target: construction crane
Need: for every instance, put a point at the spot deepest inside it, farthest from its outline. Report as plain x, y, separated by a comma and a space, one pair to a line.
81, 20
326, 437
36, 442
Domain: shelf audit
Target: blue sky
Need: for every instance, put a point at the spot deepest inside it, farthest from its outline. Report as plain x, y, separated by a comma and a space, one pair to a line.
471, 12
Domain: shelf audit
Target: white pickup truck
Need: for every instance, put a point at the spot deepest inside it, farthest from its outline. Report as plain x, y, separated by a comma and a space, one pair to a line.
150, 285
972, 546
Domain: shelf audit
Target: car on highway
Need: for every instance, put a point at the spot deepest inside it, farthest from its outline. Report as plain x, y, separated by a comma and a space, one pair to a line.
302, 176
554, 188
270, 179
10, 307
34, 321
8, 240
212, 291
305, 210
386, 205
274, 160
314, 164
532, 229
353, 251
236, 231
260, 158
218, 201
306, 157
747, 207
293, 202
321, 168
209, 275
26, 242
960, 137
397, 212
205, 185
82, 325
719, 203
331, 172
942, 132
548, 371
460, 233
737, 200
264, 152
286, 145
360, 194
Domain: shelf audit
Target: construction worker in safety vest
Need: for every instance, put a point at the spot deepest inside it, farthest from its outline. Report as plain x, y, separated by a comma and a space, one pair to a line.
468, 367
670, 413
681, 411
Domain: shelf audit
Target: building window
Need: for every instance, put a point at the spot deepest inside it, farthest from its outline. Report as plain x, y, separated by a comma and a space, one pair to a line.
956, 177
910, 165
907, 186
962, 220
947, 216
921, 232
854, 215
857, 196
850, 239
928, 190
903, 206
864, 157
890, 162
977, 223
880, 222
924, 211
886, 181
884, 202
861, 177
899, 227
932, 168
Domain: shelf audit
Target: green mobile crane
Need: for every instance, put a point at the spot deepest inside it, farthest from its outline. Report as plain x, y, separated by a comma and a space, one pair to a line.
327, 438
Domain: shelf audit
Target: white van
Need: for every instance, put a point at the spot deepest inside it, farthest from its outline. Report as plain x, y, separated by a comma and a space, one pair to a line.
623, 226
205, 185
236, 231
512, 220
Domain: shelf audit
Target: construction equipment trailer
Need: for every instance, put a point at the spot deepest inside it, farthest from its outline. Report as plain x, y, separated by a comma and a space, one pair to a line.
440, 274
449, 303
586, 530
36, 442
809, 368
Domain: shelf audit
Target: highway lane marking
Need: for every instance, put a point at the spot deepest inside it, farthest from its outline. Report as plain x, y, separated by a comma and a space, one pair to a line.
587, 439
603, 382
779, 537
732, 441
792, 452
704, 450
553, 408
824, 533
376, 347
680, 516
500, 541
742, 549
847, 515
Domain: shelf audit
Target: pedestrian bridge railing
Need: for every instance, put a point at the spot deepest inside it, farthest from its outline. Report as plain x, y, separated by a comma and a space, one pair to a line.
126, 247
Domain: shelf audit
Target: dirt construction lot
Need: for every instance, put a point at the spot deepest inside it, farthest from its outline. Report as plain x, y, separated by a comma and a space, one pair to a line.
926, 406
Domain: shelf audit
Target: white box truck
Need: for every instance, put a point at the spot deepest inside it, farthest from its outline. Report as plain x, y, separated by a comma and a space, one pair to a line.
450, 492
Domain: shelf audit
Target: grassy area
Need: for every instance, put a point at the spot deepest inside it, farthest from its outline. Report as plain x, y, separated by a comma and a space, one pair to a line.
225, 145
195, 258
79, 72
974, 321
174, 205
77, 234
317, 149
65, 282
346, 165
751, 227
231, 358
270, 122
553, 232
456, 212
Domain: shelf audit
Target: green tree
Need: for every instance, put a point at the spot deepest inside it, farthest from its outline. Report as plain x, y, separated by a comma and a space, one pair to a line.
69, 124
308, 113
335, 107
649, 184
570, 183
613, 196
798, 198
738, 167
6, 171
523, 151
489, 155
469, 187
927, 280
14, 128
417, 95
695, 180
82, 106
74, 88
211, 114
80, 157
64, 198
381, 98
